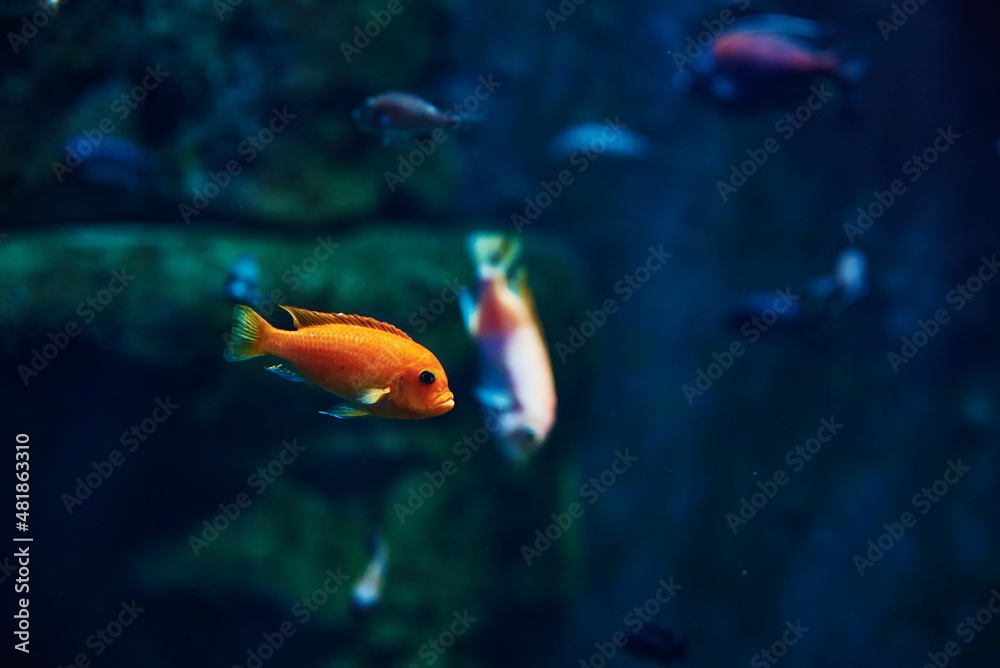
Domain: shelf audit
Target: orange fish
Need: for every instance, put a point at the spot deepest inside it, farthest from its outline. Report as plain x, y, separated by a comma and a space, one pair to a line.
517, 373
376, 368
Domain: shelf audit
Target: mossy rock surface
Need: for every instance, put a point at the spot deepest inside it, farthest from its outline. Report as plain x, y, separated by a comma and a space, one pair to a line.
455, 546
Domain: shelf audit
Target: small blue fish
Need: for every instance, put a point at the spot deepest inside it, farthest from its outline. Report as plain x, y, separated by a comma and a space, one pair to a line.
776, 306
609, 139
243, 280
814, 305
367, 592
851, 272
849, 280
115, 161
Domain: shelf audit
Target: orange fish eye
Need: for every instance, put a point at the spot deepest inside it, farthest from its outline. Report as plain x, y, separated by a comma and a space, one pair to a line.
426, 377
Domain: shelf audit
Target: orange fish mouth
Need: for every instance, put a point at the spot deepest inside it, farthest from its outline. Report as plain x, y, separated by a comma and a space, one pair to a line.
446, 403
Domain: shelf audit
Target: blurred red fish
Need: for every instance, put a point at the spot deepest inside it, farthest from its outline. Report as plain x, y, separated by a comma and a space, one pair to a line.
766, 61
771, 52
401, 115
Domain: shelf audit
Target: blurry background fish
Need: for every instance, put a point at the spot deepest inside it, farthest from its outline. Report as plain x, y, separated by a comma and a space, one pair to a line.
116, 163
599, 138
516, 385
126, 179
809, 305
764, 61
396, 115
243, 280
849, 280
367, 591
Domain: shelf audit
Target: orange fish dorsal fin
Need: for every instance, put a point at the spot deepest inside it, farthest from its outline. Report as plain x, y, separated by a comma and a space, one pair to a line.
304, 318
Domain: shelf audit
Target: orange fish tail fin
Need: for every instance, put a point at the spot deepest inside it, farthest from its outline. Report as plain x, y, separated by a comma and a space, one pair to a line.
249, 335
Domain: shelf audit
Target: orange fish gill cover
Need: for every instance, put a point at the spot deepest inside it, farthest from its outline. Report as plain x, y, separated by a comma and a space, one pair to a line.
376, 368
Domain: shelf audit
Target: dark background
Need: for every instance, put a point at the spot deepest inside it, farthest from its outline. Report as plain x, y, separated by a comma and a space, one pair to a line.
321, 177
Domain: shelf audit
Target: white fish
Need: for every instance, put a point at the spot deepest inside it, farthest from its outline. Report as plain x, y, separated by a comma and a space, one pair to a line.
517, 379
367, 592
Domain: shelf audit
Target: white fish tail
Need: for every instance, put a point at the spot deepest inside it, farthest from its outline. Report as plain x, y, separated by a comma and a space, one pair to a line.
493, 254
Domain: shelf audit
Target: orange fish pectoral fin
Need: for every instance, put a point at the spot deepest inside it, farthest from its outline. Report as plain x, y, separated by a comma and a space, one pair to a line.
304, 318
370, 397
367, 397
249, 334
